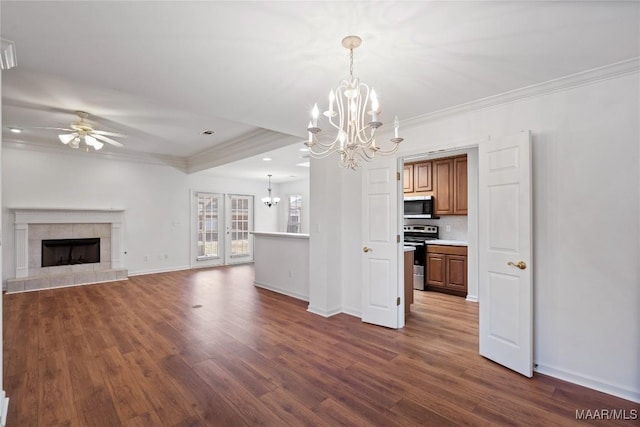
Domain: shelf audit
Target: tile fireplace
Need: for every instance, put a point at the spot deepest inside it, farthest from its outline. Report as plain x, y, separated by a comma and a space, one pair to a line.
66, 247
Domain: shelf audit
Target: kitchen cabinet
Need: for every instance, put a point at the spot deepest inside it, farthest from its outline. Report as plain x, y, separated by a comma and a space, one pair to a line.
446, 268
450, 185
460, 185
422, 179
418, 178
408, 178
408, 280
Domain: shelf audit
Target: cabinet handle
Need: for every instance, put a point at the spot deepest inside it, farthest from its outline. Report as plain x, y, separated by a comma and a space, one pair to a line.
366, 249
521, 264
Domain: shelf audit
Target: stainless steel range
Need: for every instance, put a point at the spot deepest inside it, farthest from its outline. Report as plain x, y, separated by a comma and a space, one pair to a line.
416, 236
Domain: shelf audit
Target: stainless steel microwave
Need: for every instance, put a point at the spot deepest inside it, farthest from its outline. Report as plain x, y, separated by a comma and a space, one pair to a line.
419, 207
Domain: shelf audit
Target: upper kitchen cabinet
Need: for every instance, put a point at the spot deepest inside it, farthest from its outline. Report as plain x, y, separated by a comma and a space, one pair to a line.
422, 177
460, 185
450, 185
408, 178
418, 178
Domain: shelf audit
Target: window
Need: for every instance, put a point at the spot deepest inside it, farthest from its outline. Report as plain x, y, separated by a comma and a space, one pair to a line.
294, 218
208, 216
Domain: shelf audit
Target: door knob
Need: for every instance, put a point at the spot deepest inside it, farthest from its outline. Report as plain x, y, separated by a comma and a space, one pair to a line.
366, 249
521, 265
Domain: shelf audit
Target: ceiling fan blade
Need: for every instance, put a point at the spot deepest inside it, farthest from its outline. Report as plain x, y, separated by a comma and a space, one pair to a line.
105, 133
50, 128
105, 139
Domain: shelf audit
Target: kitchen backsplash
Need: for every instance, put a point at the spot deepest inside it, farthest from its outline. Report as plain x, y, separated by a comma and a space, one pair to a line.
456, 223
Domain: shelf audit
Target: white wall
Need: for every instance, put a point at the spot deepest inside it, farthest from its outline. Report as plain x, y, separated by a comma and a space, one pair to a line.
325, 237
289, 254
586, 224
287, 189
156, 199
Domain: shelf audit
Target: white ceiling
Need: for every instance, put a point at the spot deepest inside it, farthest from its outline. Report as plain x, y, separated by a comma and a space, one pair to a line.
162, 72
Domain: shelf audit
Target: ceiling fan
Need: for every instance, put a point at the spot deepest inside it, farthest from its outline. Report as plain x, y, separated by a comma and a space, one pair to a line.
82, 130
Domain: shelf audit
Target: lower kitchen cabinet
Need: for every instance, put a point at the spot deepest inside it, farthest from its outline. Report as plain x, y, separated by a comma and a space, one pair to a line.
446, 269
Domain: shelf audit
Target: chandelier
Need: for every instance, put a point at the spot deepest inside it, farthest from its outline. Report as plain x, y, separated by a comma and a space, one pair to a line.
355, 137
270, 201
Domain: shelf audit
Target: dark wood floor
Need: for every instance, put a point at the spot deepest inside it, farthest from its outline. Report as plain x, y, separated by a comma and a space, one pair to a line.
206, 347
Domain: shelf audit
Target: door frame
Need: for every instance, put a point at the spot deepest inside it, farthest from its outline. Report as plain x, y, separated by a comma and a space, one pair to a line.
223, 258
446, 149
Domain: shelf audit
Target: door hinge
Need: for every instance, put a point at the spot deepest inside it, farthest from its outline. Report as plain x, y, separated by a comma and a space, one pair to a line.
398, 301
398, 238
397, 176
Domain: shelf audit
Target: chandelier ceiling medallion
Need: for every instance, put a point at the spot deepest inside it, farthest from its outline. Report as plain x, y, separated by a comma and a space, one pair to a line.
353, 113
270, 201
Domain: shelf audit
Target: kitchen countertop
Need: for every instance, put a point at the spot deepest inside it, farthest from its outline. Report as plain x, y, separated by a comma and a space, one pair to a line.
447, 242
409, 248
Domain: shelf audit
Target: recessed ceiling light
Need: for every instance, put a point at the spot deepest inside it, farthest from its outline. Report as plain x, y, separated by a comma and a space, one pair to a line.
304, 149
15, 130
304, 164
267, 159
207, 132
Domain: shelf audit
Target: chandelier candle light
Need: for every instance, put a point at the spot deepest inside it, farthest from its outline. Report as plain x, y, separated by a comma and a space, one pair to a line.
270, 201
355, 139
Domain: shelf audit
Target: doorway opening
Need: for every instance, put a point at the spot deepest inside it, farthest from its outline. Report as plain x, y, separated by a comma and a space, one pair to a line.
453, 252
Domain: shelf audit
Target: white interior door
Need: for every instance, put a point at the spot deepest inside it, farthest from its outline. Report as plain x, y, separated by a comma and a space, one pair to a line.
505, 289
239, 224
381, 288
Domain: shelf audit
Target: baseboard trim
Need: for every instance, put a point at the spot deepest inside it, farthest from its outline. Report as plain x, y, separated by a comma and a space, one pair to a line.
282, 291
589, 382
322, 312
160, 270
352, 312
472, 298
4, 409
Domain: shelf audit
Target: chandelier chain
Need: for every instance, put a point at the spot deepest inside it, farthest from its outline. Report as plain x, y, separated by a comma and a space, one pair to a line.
351, 63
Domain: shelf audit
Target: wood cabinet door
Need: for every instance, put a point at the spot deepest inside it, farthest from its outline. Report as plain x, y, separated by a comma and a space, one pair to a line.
460, 185
422, 179
408, 178
443, 177
436, 273
456, 266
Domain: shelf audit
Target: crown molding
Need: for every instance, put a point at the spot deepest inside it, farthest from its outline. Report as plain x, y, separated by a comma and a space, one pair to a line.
607, 72
127, 156
248, 145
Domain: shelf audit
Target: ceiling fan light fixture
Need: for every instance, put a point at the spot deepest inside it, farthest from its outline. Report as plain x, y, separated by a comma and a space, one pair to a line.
98, 145
90, 141
66, 138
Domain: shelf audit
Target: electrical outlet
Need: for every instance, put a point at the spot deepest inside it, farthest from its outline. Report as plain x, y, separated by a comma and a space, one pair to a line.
447, 227
146, 258
290, 273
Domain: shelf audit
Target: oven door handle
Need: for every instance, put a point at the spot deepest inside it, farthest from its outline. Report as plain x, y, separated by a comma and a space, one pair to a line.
413, 244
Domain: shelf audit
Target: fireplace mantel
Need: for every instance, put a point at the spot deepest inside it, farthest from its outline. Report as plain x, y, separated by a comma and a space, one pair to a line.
31, 215
66, 215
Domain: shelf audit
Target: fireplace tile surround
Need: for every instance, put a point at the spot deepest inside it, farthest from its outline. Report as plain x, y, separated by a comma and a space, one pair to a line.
32, 225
